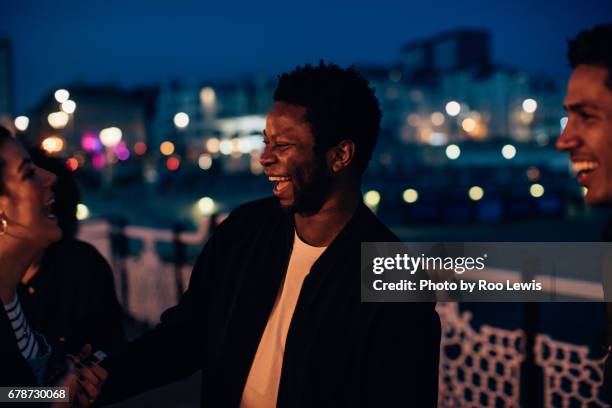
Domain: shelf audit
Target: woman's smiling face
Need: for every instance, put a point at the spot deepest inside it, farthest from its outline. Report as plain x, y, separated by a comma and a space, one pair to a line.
26, 197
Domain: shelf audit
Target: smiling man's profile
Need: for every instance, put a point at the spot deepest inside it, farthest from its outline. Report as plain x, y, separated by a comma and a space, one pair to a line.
273, 313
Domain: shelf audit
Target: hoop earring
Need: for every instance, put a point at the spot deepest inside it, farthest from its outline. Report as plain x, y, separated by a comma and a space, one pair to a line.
3, 224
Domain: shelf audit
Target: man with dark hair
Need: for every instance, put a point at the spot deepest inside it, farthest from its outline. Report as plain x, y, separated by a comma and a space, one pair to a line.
588, 133
273, 313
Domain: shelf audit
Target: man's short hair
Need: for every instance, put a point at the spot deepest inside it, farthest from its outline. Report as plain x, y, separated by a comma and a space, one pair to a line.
340, 105
593, 47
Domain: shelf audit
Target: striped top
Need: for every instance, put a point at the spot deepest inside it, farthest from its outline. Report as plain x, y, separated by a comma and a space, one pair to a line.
26, 341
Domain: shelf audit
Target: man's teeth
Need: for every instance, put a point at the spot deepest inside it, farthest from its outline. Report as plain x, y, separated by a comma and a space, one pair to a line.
584, 165
278, 178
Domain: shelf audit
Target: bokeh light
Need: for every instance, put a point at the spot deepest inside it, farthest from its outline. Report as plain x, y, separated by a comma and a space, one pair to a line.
173, 163
530, 105
181, 120
371, 198
61, 95
72, 164
68, 106
82, 212
140, 148
410, 195
90, 143
437, 118
110, 137
58, 120
475, 193
206, 205
536, 190
453, 108
508, 151
205, 161
453, 151
53, 144
166, 148
22, 123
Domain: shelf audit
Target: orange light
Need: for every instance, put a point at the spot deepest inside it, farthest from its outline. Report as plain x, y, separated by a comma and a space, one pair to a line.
140, 148
72, 164
166, 148
173, 163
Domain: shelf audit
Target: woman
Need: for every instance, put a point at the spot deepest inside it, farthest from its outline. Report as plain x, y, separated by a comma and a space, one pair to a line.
68, 293
27, 227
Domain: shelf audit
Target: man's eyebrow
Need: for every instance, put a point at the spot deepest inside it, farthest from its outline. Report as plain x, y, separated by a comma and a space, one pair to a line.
24, 163
580, 105
282, 131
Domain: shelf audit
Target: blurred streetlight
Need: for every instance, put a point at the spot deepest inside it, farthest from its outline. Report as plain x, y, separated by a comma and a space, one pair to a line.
205, 161
166, 148
453, 108
536, 190
61, 95
371, 198
53, 144
82, 212
207, 97
508, 151
530, 105
58, 120
476, 193
181, 120
110, 137
206, 205
68, 106
453, 151
437, 118
22, 123
468, 124
410, 195
213, 145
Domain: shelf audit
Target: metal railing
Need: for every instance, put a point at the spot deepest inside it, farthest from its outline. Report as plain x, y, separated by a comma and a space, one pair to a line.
478, 368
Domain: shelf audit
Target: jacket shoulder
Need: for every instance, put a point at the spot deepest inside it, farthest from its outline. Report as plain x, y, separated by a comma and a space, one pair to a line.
373, 229
254, 213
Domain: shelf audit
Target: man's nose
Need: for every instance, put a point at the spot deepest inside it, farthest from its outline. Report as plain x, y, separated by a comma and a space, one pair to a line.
267, 158
568, 139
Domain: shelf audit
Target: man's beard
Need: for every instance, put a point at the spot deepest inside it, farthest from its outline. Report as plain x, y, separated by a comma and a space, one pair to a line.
311, 189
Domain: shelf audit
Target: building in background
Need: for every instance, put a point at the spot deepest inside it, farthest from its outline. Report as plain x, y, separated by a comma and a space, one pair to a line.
213, 122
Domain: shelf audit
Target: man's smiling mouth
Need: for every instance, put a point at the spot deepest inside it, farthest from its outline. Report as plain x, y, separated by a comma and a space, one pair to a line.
280, 183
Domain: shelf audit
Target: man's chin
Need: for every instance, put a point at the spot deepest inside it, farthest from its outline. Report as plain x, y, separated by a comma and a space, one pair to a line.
598, 199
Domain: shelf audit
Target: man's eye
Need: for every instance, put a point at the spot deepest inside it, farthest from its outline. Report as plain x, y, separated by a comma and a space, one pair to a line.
586, 116
29, 174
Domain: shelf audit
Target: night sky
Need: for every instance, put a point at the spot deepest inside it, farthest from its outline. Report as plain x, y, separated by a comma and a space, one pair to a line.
141, 42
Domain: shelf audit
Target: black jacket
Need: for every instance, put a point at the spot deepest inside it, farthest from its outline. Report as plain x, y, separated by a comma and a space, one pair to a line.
72, 300
339, 352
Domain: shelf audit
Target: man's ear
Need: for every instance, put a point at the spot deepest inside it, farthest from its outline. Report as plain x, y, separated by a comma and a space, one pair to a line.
341, 155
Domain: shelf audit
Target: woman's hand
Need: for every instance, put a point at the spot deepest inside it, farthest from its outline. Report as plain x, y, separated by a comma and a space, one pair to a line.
84, 380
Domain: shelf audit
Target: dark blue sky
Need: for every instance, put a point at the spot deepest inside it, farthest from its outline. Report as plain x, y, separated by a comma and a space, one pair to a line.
144, 42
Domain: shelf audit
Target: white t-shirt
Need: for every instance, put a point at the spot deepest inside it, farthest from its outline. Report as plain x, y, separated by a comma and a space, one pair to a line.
261, 388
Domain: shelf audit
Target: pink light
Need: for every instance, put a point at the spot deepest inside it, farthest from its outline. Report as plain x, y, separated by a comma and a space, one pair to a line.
91, 143
122, 152
98, 161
